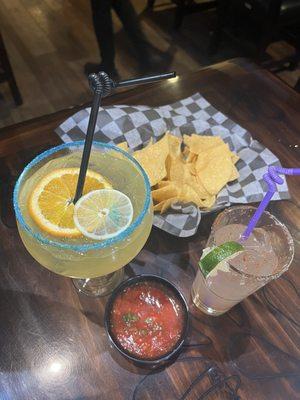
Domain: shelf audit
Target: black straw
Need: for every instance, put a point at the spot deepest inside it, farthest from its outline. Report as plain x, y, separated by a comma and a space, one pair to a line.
87, 146
102, 85
145, 79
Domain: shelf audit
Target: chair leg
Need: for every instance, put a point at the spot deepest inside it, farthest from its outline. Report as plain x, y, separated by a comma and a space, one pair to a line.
5, 64
294, 62
179, 15
262, 47
15, 91
217, 34
267, 36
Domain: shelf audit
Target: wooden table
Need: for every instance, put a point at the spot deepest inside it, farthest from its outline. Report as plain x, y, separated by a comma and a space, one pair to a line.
52, 340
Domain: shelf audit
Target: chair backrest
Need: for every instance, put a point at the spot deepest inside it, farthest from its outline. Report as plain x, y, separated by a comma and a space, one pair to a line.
270, 8
260, 10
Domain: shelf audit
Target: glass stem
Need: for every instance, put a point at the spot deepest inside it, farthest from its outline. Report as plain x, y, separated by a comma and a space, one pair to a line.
101, 286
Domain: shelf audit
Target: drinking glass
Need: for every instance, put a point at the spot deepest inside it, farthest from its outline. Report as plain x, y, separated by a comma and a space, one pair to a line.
270, 255
95, 266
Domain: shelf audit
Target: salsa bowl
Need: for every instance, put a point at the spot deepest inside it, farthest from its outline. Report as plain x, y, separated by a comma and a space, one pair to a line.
146, 320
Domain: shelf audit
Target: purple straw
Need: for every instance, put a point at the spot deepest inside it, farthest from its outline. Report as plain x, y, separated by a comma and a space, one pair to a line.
271, 178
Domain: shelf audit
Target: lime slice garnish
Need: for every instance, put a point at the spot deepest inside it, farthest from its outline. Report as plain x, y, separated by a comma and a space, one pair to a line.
103, 214
218, 255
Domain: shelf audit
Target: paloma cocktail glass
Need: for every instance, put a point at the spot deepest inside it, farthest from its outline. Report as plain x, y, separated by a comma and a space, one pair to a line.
268, 253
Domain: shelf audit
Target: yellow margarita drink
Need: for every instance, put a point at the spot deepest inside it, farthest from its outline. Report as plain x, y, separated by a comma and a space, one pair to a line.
106, 228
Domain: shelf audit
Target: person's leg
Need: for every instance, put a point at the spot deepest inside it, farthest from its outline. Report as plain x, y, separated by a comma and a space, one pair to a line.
151, 60
102, 20
130, 21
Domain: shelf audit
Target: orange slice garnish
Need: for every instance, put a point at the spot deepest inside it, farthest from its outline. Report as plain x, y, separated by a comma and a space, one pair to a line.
50, 204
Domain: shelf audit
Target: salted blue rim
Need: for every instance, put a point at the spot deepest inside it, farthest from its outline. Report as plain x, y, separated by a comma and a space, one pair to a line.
86, 247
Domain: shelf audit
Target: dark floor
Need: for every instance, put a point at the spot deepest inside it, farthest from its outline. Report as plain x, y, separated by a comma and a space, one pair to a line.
49, 42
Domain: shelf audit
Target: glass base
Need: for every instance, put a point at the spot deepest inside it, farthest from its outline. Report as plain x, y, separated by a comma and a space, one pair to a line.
101, 286
207, 310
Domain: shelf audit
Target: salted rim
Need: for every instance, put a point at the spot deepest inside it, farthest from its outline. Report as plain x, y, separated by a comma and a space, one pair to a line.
86, 247
288, 236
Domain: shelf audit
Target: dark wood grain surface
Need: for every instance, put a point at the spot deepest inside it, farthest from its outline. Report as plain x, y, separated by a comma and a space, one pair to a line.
52, 340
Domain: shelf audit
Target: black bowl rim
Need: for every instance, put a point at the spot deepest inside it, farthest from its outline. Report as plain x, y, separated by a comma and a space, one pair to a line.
128, 282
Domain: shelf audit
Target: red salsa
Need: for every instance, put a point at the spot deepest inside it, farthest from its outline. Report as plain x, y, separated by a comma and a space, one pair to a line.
147, 319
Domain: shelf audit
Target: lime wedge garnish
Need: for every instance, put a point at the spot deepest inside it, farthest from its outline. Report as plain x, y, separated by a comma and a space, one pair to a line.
217, 255
103, 214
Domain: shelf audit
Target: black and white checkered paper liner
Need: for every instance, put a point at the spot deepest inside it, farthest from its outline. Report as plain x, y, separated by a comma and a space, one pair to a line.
136, 125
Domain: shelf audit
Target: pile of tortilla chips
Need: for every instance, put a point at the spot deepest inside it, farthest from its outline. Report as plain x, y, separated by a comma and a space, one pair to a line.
194, 169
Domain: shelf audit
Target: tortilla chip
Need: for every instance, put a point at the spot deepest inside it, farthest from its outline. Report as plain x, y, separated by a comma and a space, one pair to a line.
234, 158
152, 158
186, 152
195, 175
150, 142
174, 158
217, 152
164, 193
216, 173
123, 146
191, 168
174, 146
162, 184
164, 205
175, 169
208, 202
199, 143
234, 174
188, 194
196, 183
192, 158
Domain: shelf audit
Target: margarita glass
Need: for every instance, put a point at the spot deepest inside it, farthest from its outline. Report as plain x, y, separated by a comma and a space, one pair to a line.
95, 266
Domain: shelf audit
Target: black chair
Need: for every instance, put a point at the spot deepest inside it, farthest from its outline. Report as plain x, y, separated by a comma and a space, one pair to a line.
280, 18
7, 75
270, 19
260, 22
185, 7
